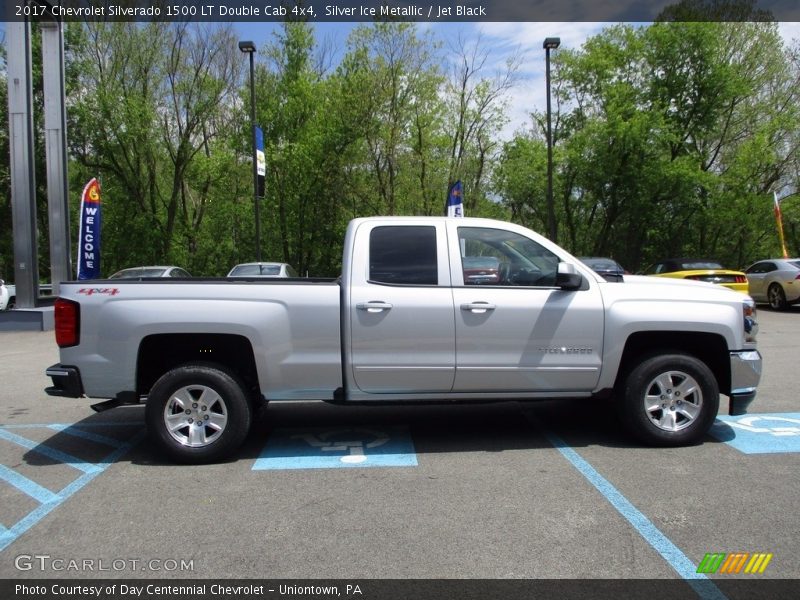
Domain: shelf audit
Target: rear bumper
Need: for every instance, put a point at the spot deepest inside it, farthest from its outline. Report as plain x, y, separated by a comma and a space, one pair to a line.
66, 381
745, 377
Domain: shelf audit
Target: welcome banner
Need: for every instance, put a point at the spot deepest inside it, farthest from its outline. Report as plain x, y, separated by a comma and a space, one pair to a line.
89, 234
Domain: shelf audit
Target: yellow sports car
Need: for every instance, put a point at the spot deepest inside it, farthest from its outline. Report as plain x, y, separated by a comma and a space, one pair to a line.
700, 270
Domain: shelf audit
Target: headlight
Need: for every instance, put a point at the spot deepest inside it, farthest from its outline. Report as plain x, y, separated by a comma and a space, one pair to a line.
750, 321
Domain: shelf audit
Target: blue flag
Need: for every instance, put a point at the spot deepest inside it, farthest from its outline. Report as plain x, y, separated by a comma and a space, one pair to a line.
455, 206
261, 161
89, 234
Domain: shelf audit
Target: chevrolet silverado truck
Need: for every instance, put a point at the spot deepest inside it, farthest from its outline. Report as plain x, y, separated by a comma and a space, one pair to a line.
426, 310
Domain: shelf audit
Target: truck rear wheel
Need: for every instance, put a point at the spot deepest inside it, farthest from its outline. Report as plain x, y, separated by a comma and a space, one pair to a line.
198, 413
669, 400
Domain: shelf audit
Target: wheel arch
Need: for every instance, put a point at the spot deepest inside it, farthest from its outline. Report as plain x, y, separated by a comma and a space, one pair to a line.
710, 348
160, 353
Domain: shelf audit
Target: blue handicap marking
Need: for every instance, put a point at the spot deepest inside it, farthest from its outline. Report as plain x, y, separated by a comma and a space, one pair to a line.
48, 500
337, 447
766, 433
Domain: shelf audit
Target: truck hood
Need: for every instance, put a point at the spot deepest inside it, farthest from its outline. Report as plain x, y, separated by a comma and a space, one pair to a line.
642, 286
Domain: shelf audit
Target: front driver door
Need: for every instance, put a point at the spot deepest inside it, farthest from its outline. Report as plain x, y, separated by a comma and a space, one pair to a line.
515, 330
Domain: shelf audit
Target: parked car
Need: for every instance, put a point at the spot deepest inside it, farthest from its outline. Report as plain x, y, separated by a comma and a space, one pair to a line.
608, 268
481, 269
775, 281
8, 298
263, 269
700, 269
4, 295
158, 271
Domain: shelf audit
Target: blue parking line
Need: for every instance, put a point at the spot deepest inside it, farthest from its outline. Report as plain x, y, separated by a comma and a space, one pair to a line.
25, 485
702, 585
6, 537
93, 424
90, 471
49, 452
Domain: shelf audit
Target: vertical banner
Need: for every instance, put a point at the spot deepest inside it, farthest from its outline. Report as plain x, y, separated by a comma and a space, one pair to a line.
455, 206
89, 233
779, 221
261, 162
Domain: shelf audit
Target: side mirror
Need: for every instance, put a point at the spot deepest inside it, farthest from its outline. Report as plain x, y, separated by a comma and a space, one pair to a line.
567, 277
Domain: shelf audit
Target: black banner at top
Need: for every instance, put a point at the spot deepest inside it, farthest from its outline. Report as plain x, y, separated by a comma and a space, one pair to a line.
408, 10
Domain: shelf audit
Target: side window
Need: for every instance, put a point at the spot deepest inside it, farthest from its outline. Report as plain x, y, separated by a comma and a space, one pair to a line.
402, 254
762, 267
498, 257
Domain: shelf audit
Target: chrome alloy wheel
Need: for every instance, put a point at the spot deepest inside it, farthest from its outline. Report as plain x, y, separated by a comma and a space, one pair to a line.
673, 400
195, 416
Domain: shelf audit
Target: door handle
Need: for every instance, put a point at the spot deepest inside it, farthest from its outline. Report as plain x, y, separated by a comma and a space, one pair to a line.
478, 308
373, 306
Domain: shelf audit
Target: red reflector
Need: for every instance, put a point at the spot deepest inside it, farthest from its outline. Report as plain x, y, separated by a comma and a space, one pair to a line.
67, 317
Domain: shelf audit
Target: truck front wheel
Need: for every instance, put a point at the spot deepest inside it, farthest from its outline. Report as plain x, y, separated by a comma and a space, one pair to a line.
669, 400
198, 413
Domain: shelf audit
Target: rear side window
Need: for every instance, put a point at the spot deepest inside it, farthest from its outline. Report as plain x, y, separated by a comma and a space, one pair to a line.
404, 255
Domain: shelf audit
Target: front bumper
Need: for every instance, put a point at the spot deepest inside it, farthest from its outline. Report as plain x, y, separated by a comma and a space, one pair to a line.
745, 376
66, 381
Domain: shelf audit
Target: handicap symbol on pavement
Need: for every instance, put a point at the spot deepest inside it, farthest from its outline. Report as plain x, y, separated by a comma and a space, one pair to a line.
767, 433
335, 448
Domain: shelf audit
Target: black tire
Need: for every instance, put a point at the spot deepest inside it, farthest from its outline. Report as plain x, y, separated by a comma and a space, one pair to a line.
669, 400
192, 394
776, 297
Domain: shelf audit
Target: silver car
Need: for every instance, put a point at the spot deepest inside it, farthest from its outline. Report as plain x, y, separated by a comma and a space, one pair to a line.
263, 269
154, 271
775, 281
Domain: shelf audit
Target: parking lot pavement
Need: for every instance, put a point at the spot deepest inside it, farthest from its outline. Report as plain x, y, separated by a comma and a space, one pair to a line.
511, 490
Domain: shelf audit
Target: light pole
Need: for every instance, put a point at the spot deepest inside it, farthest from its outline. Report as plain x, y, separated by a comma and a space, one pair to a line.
250, 48
550, 43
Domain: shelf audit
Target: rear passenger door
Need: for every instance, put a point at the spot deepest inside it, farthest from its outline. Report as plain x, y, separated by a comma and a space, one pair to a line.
756, 278
401, 309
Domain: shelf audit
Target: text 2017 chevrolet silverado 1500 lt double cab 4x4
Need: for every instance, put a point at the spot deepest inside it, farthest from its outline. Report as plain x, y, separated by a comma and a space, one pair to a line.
426, 309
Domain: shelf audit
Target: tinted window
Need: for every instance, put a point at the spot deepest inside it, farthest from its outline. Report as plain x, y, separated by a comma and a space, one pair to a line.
697, 265
499, 257
762, 267
403, 255
256, 271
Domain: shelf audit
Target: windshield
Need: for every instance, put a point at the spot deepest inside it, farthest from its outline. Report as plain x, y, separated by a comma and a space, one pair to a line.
256, 271
133, 273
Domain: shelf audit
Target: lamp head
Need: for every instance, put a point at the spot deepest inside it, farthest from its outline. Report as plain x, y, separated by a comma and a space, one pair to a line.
551, 43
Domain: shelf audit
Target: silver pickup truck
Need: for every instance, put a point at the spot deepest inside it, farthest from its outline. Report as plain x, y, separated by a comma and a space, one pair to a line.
426, 309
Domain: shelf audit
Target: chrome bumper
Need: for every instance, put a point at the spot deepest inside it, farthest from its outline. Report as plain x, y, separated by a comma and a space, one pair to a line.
745, 376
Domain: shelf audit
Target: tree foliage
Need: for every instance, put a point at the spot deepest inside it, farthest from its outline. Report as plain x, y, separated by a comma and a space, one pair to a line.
669, 139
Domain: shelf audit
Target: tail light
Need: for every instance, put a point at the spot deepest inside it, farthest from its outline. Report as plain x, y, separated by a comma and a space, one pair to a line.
741, 279
68, 323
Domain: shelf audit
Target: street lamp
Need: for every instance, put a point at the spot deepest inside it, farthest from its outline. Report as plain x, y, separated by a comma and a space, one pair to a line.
250, 48
550, 43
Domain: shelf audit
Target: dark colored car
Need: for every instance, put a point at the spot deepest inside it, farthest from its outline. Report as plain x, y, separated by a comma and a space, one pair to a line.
607, 268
